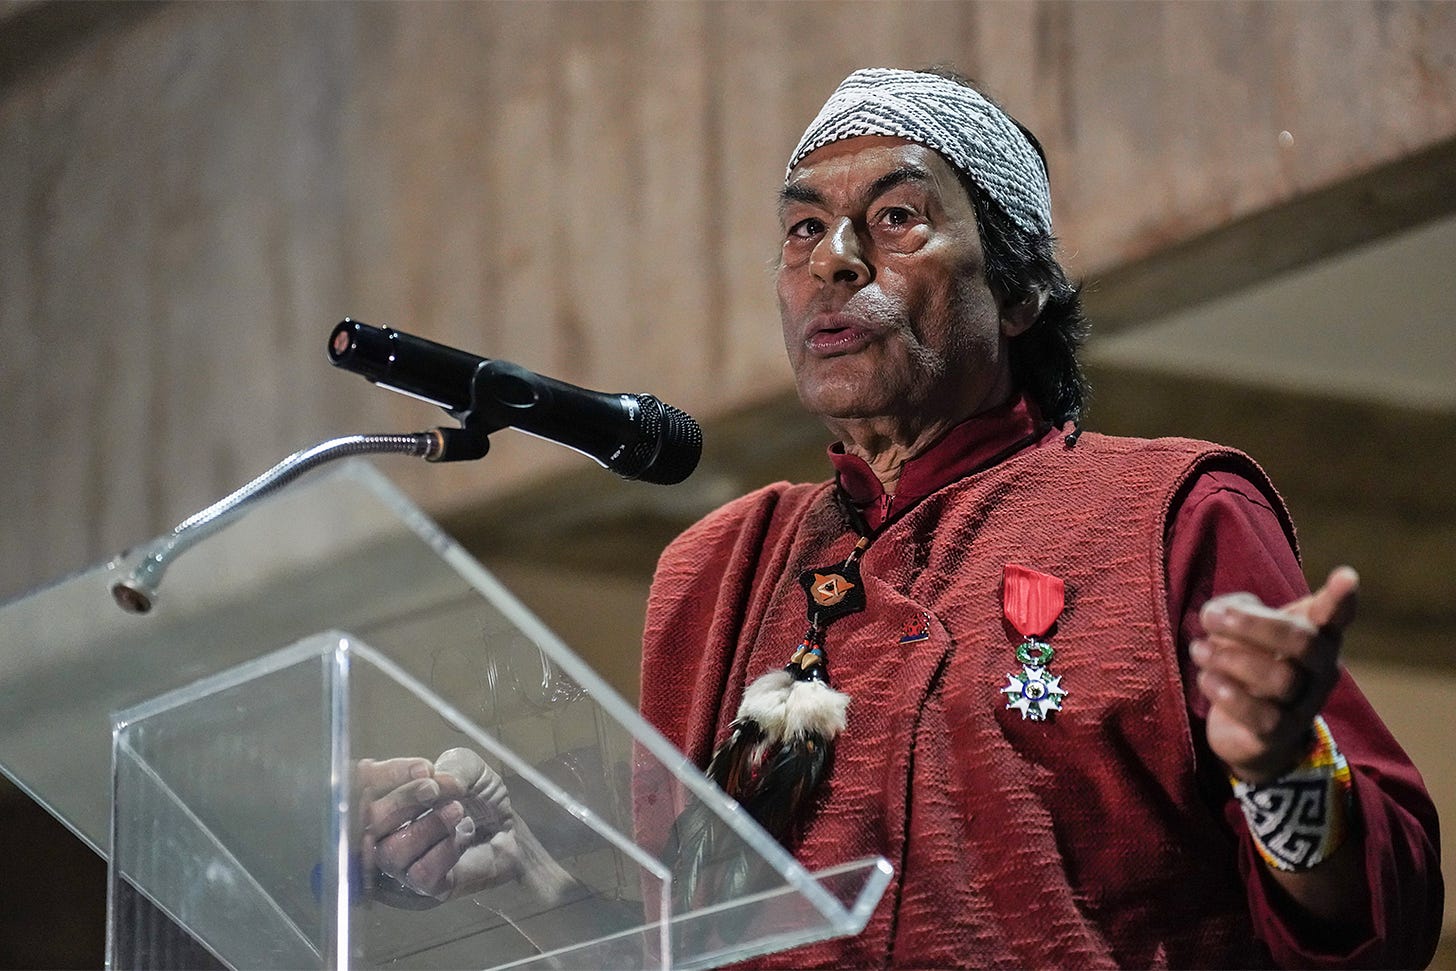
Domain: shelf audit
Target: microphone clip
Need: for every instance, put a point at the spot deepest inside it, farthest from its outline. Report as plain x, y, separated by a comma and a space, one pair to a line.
496, 388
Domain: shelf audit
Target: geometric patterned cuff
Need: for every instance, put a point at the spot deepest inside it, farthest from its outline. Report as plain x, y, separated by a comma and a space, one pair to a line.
1299, 819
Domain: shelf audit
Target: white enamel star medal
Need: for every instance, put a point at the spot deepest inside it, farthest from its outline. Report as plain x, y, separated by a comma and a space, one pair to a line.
1034, 691
1032, 602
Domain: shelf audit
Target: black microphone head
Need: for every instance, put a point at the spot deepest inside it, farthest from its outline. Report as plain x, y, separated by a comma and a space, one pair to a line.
670, 446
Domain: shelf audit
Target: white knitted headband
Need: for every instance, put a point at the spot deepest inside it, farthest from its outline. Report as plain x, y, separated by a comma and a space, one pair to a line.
970, 132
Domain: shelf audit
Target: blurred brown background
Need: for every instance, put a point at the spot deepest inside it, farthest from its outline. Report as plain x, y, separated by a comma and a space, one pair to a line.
1260, 196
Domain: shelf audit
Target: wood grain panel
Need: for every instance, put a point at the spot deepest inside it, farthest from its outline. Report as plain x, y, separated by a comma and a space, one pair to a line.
194, 194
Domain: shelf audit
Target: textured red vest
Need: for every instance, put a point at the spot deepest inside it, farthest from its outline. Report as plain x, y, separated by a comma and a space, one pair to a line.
1081, 841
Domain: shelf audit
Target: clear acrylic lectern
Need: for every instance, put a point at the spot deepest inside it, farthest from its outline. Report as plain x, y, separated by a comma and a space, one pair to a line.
210, 749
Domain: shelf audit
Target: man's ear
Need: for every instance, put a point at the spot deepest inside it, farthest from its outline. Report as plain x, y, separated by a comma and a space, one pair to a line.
1017, 317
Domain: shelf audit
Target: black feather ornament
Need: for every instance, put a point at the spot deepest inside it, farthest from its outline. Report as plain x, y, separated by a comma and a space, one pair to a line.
790, 770
776, 754
709, 864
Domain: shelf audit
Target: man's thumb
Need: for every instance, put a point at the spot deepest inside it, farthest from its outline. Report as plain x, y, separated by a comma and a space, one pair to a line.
1332, 606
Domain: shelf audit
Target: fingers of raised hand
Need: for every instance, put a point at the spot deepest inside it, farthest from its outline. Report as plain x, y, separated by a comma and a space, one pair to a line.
1230, 668
467, 766
1261, 731
1263, 718
1242, 618
421, 853
486, 798
1272, 655
382, 775
388, 812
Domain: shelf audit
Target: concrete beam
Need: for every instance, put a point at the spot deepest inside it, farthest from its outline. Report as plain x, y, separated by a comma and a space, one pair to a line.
1255, 248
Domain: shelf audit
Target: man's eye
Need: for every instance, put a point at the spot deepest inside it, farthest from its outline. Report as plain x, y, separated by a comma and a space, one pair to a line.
806, 229
897, 216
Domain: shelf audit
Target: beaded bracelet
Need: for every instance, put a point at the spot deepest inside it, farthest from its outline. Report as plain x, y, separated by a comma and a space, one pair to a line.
1299, 819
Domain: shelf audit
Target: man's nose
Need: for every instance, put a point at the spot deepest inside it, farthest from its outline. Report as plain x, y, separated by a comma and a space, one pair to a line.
838, 257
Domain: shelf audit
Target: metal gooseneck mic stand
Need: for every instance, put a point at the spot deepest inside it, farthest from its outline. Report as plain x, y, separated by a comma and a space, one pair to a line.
137, 592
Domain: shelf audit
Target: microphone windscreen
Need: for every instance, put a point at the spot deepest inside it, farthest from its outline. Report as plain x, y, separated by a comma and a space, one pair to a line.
678, 443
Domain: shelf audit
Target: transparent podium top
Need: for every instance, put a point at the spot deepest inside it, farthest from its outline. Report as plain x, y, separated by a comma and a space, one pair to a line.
344, 552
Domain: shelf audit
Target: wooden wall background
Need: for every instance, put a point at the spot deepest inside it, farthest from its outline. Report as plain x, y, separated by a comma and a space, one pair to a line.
192, 194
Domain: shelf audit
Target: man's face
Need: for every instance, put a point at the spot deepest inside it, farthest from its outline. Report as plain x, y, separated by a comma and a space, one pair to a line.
882, 289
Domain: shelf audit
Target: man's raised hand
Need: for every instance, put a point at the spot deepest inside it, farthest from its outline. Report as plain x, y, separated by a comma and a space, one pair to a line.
1268, 671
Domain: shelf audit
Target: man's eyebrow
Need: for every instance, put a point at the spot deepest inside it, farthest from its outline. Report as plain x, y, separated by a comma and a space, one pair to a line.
796, 192
900, 176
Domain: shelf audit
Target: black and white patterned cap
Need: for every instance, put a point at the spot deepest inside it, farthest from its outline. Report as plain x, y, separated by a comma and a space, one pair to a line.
970, 132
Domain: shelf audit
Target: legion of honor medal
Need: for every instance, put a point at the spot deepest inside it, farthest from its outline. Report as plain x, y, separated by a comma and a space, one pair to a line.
1032, 602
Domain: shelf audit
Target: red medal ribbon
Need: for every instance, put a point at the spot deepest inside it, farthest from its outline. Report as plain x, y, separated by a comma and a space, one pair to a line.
1033, 601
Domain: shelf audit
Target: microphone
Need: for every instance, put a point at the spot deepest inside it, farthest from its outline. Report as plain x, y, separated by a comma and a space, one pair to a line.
634, 435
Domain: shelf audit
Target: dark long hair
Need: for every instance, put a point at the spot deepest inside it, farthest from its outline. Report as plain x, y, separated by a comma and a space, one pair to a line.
1019, 263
